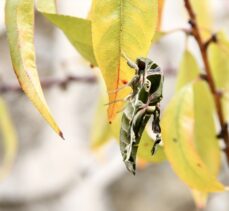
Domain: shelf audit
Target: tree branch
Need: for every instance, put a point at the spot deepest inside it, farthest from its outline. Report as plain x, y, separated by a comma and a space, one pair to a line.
203, 46
50, 82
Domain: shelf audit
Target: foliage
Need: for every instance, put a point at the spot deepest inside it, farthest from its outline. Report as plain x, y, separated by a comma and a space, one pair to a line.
189, 129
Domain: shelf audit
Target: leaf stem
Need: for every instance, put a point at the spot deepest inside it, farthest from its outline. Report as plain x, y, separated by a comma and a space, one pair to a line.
203, 46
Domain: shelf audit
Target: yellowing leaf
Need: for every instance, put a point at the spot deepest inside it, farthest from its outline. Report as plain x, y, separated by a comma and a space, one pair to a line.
9, 139
20, 26
204, 137
203, 13
207, 145
188, 70
145, 148
218, 57
77, 30
205, 131
178, 135
121, 27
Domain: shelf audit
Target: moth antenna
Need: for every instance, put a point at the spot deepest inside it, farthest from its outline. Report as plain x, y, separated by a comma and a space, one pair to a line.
118, 89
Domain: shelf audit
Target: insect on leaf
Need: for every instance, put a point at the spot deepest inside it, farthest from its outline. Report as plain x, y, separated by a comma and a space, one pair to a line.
77, 30
178, 135
9, 140
121, 27
20, 33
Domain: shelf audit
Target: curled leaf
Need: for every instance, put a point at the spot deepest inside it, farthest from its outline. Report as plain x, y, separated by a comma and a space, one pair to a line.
20, 33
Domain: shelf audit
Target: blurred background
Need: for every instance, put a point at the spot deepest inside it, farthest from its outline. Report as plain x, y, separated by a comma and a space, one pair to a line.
55, 175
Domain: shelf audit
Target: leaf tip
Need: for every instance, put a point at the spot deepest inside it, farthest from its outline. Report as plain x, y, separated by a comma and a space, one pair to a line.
61, 135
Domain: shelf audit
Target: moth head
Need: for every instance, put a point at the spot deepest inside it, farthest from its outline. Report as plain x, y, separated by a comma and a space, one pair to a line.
141, 63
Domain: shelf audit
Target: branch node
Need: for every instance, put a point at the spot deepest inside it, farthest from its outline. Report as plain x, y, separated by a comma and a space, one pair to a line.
192, 23
224, 130
212, 39
203, 76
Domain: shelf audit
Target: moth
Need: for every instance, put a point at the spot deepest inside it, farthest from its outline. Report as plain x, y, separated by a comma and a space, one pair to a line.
142, 104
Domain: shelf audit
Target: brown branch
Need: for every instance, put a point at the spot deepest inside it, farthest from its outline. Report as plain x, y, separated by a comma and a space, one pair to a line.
50, 82
203, 46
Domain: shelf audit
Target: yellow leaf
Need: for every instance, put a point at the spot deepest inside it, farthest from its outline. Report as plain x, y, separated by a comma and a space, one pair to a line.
204, 137
9, 140
20, 33
205, 131
178, 135
203, 13
206, 143
145, 148
121, 27
188, 70
218, 57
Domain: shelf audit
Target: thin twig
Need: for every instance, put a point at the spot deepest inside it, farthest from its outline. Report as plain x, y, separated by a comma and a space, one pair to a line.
50, 82
203, 46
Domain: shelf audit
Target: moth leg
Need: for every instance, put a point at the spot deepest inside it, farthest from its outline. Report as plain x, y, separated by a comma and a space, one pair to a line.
115, 101
127, 98
133, 83
156, 127
156, 120
156, 143
117, 90
150, 109
130, 63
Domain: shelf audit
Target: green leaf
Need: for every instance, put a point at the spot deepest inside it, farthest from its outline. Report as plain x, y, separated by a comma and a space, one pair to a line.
9, 138
188, 70
20, 33
77, 30
115, 27
145, 147
178, 134
218, 56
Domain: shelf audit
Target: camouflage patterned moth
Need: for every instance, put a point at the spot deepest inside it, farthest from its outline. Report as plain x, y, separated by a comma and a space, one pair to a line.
142, 103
